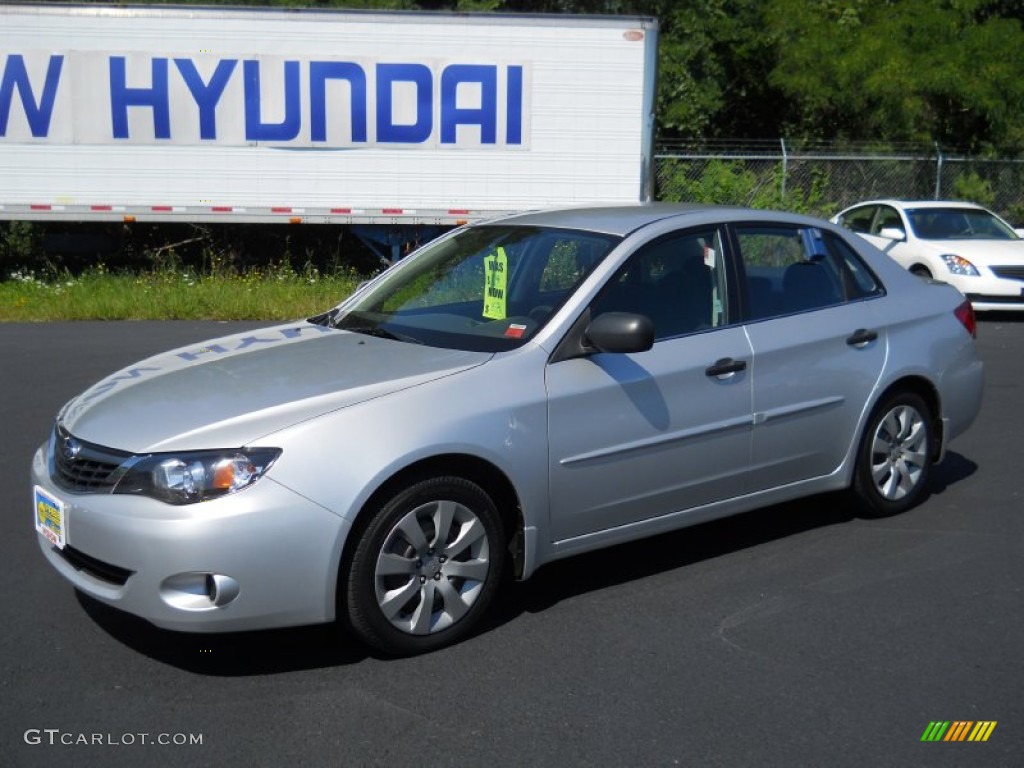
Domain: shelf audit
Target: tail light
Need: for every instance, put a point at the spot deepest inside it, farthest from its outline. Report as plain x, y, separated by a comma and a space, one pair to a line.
965, 314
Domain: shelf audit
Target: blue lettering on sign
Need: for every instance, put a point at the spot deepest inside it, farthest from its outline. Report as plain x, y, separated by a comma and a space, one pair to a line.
206, 95
154, 97
266, 100
319, 73
486, 116
38, 113
289, 127
421, 77
514, 113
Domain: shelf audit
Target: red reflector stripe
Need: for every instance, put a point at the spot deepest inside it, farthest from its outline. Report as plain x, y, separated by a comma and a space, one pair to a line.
392, 211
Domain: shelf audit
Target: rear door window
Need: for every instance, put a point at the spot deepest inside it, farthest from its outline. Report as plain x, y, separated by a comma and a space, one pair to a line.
791, 269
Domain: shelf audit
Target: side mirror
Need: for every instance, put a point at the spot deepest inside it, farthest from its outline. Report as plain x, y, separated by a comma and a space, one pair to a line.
620, 332
1019, 231
892, 233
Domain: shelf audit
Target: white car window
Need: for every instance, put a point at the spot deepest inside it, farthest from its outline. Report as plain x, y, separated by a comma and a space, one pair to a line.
859, 219
887, 218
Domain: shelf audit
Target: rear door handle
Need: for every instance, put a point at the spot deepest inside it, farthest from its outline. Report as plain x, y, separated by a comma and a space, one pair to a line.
861, 337
725, 367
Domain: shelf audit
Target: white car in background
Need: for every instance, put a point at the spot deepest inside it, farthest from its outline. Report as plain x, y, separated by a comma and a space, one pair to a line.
959, 243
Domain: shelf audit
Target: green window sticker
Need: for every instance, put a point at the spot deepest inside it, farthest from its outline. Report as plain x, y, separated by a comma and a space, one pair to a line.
496, 279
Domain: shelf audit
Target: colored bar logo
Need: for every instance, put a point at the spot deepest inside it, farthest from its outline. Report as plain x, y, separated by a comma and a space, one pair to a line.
958, 730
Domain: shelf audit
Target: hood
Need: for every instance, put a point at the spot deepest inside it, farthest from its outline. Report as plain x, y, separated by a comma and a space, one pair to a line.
986, 252
232, 391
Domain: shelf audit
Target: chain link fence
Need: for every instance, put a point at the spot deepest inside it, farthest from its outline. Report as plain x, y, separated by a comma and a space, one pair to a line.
822, 180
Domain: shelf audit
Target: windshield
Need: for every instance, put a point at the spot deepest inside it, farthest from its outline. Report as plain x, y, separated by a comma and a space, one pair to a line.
486, 288
958, 224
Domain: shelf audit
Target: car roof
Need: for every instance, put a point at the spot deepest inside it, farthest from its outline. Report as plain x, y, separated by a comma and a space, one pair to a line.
622, 220
920, 204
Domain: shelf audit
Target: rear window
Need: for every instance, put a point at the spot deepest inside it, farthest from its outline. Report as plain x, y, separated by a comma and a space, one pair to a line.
791, 269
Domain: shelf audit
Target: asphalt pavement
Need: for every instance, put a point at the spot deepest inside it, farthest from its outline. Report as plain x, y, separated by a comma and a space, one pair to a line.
796, 635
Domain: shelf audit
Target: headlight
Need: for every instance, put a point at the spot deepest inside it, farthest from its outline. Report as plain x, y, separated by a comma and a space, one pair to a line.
184, 478
958, 265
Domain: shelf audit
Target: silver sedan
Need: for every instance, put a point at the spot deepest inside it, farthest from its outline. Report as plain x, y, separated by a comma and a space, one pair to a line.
515, 392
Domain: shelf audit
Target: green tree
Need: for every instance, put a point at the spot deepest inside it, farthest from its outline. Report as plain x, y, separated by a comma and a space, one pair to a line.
900, 70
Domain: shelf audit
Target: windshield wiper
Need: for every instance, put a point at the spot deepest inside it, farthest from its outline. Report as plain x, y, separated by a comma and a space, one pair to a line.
324, 318
381, 333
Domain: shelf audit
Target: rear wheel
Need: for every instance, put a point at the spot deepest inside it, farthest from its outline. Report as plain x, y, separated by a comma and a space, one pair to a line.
895, 457
426, 567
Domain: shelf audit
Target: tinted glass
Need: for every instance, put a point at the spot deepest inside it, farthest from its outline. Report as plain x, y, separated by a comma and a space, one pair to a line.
958, 224
791, 269
859, 219
888, 218
677, 281
486, 288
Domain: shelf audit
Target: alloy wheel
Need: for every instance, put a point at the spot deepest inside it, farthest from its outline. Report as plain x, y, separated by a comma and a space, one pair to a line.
432, 567
899, 452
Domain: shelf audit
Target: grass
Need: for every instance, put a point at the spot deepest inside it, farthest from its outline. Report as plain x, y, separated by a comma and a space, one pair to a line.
277, 293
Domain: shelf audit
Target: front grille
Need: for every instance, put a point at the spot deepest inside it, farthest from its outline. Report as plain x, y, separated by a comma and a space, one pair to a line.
1009, 273
112, 574
83, 467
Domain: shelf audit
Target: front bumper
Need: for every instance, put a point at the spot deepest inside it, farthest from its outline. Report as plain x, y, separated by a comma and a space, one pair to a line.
260, 558
995, 303
989, 292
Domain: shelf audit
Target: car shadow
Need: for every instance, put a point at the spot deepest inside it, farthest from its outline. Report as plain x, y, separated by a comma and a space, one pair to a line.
228, 654
952, 470
295, 649
640, 559
623, 563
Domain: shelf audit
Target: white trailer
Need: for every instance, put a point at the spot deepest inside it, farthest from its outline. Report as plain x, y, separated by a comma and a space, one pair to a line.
213, 114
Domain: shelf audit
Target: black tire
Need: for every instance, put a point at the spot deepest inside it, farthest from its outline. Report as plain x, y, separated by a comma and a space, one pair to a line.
921, 271
440, 540
895, 457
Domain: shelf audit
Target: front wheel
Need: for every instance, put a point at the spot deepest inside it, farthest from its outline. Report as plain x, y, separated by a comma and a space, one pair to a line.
895, 457
921, 271
425, 567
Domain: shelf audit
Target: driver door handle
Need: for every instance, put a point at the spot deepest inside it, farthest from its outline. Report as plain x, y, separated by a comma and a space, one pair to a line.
726, 366
861, 337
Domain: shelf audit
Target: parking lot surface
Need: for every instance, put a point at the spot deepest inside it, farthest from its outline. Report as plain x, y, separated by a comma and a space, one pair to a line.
794, 635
